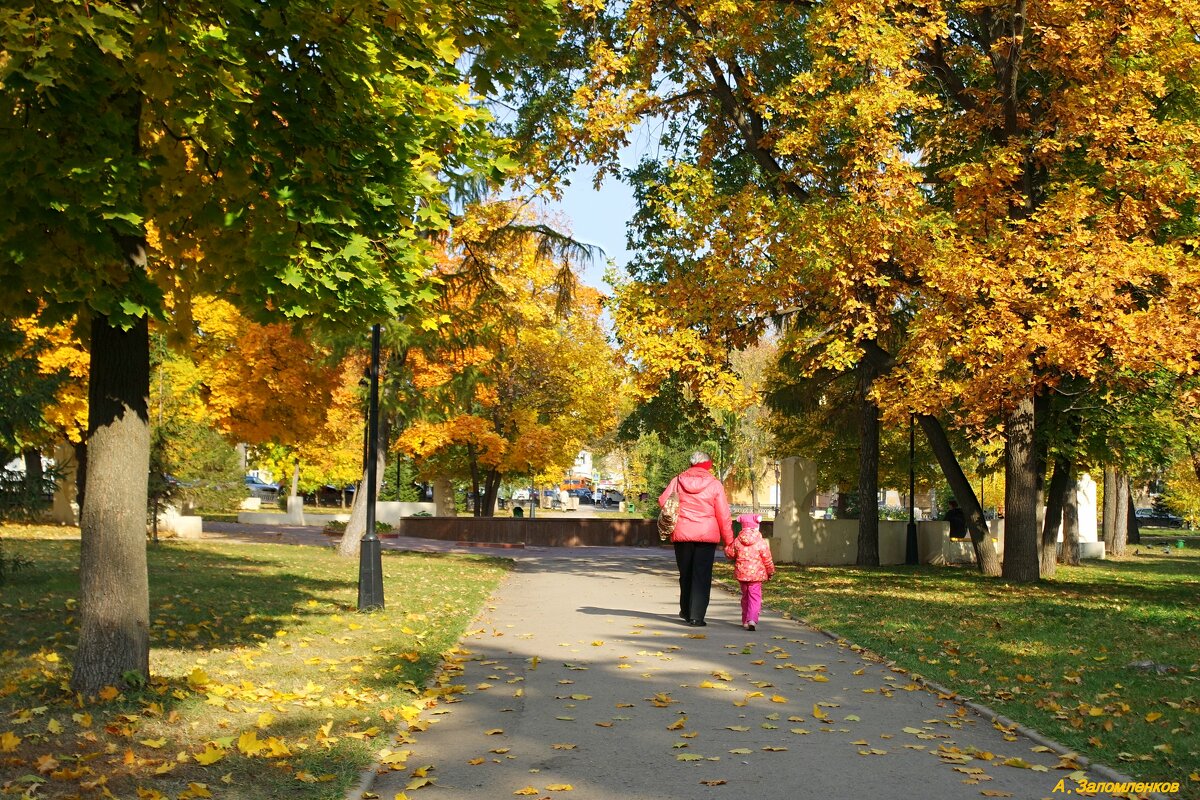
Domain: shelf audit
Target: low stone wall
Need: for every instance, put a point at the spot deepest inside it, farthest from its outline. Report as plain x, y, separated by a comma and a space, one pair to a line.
563, 532
538, 532
834, 542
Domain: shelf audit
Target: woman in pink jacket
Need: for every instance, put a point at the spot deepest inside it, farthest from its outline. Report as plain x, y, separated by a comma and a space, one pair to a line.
704, 522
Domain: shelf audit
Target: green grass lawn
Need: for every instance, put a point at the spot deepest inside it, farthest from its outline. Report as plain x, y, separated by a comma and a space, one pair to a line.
261, 667
1059, 656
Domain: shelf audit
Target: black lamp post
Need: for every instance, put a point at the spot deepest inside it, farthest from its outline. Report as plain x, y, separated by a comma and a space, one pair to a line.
910, 543
370, 561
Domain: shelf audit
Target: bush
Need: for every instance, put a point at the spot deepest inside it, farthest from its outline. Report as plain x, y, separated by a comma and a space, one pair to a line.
337, 528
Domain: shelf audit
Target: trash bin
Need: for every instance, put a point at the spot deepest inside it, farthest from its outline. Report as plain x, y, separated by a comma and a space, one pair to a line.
631, 508
518, 512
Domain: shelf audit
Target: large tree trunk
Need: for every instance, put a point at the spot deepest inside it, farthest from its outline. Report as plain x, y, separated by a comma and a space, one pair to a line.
114, 613
1021, 496
1108, 523
868, 479
1070, 547
443, 497
81, 474
491, 487
981, 540
1133, 531
1061, 483
356, 527
1121, 522
34, 478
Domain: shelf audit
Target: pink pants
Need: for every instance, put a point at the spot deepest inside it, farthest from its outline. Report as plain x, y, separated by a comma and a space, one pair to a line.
751, 601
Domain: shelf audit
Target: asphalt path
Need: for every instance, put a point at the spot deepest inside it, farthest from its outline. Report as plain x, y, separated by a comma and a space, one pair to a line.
578, 673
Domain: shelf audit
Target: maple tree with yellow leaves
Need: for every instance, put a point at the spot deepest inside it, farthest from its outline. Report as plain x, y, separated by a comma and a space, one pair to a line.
517, 375
964, 204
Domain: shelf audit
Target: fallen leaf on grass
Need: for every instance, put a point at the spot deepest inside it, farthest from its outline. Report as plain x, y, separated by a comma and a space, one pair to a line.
211, 755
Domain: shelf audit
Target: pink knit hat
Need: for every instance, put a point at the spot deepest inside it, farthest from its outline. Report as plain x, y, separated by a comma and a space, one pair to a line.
749, 520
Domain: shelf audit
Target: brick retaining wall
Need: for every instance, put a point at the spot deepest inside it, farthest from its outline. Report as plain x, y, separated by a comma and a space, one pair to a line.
551, 532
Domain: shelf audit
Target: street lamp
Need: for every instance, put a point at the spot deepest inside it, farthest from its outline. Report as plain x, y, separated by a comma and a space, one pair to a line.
778, 499
910, 543
370, 561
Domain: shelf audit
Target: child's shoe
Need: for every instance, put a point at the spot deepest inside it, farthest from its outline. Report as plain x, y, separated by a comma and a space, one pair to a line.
750, 626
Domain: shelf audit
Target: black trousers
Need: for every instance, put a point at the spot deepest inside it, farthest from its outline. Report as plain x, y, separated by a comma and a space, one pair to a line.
695, 562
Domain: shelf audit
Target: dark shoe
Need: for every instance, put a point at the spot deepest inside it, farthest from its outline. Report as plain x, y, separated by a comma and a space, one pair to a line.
682, 615
750, 627
697, 623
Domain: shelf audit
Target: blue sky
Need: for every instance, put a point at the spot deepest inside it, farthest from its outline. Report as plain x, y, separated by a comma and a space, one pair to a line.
599, 217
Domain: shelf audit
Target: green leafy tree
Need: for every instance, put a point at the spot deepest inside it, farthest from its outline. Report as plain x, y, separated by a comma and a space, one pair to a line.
272, 153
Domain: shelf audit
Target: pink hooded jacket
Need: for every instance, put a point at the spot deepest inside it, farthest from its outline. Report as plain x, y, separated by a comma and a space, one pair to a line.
703, 509
751, 553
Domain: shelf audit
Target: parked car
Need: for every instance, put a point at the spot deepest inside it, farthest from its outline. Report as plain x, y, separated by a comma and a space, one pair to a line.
520, 496
261, 489
584, 495
610, 497
1149, 518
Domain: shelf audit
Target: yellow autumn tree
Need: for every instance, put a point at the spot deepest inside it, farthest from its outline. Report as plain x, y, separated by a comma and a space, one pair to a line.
519, 374
970, 206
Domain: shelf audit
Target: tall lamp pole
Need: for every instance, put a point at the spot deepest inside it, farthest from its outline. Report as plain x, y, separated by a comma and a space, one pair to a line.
910, 543
370, 562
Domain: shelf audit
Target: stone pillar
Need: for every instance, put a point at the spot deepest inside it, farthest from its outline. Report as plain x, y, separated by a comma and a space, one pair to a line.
794, 523
1085, 499
295, 510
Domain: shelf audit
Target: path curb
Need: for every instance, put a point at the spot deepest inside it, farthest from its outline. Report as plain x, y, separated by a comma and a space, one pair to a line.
980, 709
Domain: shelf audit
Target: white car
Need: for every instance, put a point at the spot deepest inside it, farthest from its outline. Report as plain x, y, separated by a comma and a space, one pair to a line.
520, 495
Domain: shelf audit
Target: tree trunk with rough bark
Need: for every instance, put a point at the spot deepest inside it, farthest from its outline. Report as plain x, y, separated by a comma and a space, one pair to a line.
1121, 522
1021, 563
443, 498
1134, 531
1061, 483
491, 488
943, 451
1108, 524
81, 474
868, 480
34, 478
1070, 547
114, 612
356, 527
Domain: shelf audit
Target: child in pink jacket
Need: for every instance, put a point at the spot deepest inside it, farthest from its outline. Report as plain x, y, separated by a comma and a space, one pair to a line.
752, 565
